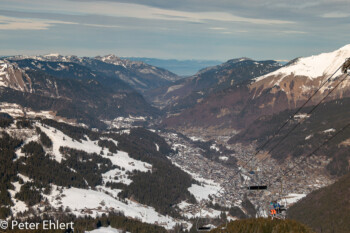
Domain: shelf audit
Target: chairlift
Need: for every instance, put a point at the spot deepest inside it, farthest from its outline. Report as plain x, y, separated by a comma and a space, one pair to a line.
257, 186
202, 226
280, 209
206, 224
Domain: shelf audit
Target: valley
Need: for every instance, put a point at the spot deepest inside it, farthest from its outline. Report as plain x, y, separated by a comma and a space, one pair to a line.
104, 137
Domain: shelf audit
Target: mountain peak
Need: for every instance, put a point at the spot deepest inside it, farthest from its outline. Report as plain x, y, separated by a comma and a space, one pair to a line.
315, 66
109, 57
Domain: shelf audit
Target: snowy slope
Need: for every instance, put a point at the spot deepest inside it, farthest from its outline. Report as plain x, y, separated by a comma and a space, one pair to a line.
122, 159
89, 202
314, 66
13, 77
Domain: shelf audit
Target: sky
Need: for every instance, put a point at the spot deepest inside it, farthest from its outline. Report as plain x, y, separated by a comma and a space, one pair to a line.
175, 29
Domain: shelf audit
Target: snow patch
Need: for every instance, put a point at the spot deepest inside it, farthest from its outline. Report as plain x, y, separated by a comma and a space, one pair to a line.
292, 198
202, 192
329, 130
89, 202
214, 147
59, 139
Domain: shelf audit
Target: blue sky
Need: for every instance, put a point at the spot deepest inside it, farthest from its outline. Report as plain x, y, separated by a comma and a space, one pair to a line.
180, 29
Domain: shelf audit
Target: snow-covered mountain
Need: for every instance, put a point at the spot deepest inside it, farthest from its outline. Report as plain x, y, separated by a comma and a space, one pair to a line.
189, 91
55, 168
315, 66
139, 75
12, 77
69, 90
302, 76
288, 87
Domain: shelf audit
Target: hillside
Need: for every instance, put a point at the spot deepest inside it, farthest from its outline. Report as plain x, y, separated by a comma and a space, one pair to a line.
48, 166
264, 225
236, 107
327, 209
71, 91
138, 75
187, 92
313, 129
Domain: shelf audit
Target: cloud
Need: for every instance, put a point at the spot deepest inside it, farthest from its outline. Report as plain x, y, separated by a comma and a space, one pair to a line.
147, 12
293, 32
336, 15
101, 25
135, 10
217, 28
7, 23
12, 23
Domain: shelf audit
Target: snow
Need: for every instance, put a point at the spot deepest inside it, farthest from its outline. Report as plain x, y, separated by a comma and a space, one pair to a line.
52, 55
223, 158
203, 192
59, 139
157, 147
308, 137
79, 200
329, 130
178, 145
292, 198
19, 206
245, 178
122, 176
214, 147
314, 66
19, 152
3, 72
301, 116
194, 138
123, 160
106, 230
25, 178
173, 88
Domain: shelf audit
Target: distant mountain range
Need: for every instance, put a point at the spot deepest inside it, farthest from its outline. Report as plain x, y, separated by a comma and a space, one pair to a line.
82, 89
256, 98
58, 152
186, 93
179, 67
270, 89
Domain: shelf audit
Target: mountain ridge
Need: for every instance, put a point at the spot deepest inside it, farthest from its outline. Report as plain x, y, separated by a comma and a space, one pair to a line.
238, 106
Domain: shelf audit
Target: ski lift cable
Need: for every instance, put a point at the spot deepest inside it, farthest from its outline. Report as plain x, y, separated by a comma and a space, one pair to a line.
298, 163
299, 123
288, 120
313, 152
